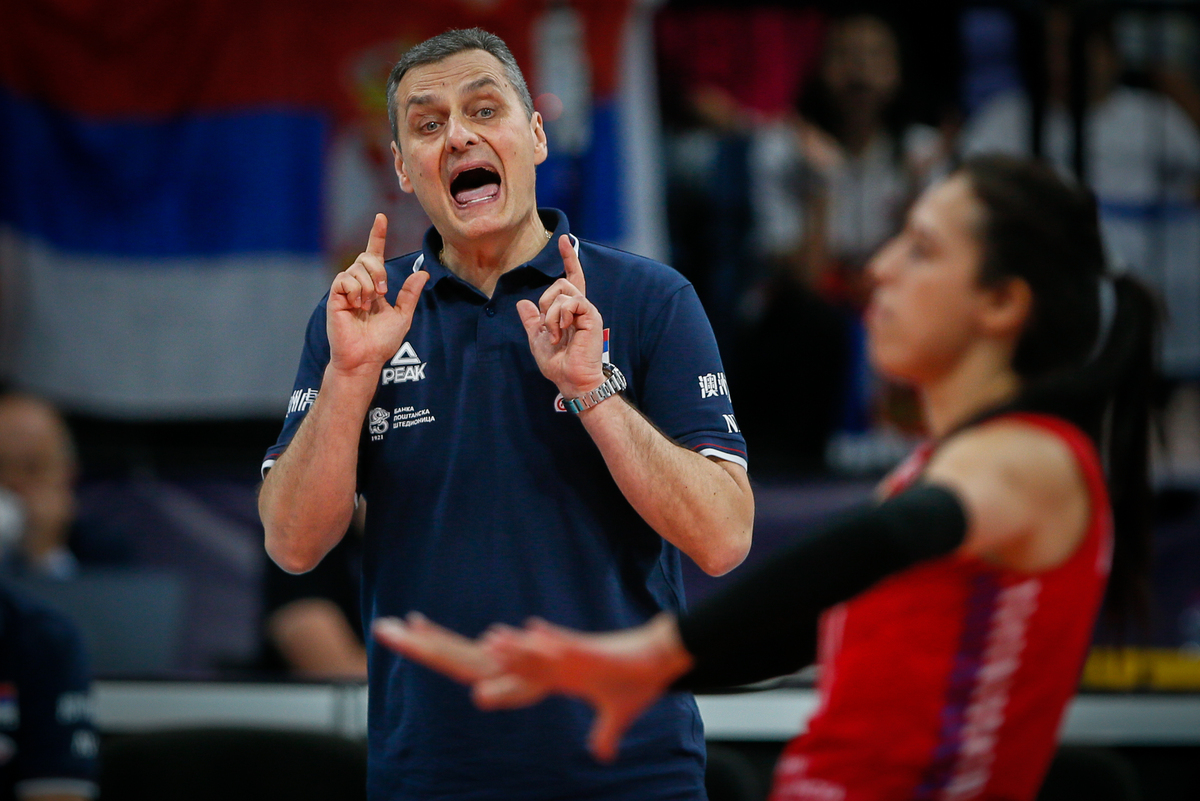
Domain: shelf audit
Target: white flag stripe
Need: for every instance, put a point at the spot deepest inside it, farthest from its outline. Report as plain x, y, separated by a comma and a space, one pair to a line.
156, 338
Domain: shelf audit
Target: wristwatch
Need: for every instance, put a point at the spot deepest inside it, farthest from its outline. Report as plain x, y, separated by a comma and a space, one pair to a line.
614, 382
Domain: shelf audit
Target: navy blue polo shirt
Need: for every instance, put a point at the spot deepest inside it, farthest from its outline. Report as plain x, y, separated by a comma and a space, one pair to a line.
47, 743
487, 501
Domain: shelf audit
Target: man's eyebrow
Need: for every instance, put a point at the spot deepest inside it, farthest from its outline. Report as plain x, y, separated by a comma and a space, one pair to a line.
480, 83
418, 100
473, 86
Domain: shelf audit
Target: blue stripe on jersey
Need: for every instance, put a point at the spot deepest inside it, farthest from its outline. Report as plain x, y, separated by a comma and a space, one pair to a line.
981, 606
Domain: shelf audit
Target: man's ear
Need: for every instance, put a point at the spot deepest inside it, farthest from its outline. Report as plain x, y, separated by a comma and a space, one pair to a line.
1009, 307
540, 148
401, 173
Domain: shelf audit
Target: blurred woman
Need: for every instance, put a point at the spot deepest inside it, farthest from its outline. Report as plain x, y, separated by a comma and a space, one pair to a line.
954, 612
829, 185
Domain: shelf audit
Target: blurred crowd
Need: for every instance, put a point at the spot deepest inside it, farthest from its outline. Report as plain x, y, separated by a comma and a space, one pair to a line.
783, 186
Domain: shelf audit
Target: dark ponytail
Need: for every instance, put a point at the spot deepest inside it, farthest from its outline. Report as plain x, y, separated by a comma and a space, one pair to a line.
1126, 370
1110, 398
1076, 361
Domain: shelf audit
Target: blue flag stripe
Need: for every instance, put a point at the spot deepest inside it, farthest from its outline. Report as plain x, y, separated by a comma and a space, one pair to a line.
202, 185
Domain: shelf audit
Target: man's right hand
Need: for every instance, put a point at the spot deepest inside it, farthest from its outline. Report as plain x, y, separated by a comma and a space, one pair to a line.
364, 329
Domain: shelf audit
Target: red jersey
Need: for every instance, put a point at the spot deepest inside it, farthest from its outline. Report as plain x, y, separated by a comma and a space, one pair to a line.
949, 680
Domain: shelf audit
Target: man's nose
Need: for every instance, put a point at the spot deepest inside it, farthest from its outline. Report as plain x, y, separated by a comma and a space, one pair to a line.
459, 133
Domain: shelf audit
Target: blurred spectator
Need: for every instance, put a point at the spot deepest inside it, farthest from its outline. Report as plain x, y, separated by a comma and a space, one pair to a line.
47, 743
1142, 157
38, 465
831, 183
312, 622
1160, 48
715, 92
829, 186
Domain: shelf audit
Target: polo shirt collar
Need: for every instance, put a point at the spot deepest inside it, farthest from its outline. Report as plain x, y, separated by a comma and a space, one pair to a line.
546, 261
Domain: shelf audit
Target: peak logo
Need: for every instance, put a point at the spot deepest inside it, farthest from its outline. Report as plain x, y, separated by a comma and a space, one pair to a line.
405, 366
405, 356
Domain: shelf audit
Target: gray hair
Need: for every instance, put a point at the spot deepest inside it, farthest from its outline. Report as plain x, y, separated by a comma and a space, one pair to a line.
440, 48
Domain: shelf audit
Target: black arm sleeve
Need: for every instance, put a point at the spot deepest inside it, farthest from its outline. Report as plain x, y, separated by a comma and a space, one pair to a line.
765, 624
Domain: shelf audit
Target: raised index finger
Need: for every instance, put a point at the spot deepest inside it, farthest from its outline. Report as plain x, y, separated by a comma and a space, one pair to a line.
378, 237
571, 263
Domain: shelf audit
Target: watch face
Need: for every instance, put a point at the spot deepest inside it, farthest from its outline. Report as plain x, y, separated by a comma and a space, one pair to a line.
616, 379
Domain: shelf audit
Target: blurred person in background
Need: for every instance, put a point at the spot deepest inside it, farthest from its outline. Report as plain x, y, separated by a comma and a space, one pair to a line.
1143, 162
48, 746
38, 466
714, 93
829, 185
312, 622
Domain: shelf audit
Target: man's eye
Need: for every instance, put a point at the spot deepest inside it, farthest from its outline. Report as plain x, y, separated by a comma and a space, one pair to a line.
429, 127
487, 112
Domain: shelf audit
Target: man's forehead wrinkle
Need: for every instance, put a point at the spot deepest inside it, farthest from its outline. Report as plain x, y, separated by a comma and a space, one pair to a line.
434, 80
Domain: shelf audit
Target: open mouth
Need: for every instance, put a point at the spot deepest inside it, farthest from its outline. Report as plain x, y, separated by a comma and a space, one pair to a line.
475, 186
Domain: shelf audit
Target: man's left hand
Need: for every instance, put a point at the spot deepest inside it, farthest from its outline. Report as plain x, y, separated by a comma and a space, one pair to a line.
566, 332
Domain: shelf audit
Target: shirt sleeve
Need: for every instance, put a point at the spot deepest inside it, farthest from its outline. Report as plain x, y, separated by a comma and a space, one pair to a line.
56, 741
682, 385
313, 360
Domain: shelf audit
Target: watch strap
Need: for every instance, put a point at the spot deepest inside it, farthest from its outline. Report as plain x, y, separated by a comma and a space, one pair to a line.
614, 382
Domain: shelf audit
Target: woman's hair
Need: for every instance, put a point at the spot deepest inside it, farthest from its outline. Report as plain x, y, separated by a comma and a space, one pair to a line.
1088, 352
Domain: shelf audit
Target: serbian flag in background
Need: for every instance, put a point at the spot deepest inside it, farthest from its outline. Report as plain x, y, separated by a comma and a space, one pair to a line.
180, 179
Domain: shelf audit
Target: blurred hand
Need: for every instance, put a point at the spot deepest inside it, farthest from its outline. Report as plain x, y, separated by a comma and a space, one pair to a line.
364, 329
449, 653
821, 151
619, 674
566, 332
